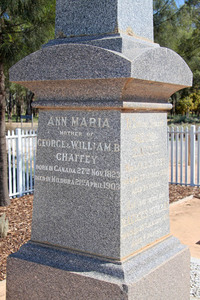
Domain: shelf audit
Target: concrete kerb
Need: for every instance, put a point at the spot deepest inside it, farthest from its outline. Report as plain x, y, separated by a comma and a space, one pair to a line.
182, 200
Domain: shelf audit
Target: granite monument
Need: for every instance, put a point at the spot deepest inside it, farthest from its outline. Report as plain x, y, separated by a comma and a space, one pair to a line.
100, 226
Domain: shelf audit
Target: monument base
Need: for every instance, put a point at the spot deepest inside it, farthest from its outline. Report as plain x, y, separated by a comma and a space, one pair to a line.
44, 272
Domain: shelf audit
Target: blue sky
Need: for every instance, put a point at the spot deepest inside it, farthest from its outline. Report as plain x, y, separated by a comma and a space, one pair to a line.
180, 2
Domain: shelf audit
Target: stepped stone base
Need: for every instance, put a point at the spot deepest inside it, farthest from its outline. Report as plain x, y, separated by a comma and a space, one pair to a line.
44, 272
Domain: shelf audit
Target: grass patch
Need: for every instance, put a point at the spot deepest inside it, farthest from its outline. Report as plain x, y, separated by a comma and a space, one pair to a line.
14, 118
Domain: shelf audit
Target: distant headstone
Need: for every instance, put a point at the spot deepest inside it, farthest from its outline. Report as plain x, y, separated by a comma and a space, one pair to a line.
100, 226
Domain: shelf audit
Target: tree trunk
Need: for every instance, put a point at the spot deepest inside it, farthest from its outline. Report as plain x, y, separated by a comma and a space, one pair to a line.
174, 100
29, 100
4, 198
10, 107
18, 109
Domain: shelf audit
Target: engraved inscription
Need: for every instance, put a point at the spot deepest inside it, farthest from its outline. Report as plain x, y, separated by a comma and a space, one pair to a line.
145, 216
78, 122
79, 144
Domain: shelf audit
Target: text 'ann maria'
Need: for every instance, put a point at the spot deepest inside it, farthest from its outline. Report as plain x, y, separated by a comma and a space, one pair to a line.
79, 122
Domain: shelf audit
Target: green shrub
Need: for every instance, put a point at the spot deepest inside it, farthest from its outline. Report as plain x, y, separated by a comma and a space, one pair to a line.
179, 119
4, 226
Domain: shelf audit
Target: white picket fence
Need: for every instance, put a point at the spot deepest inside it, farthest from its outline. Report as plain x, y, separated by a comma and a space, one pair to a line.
183, 149
184, 155
21, 150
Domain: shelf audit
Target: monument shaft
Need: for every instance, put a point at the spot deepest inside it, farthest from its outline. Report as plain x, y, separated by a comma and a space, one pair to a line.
94, 18
110, 172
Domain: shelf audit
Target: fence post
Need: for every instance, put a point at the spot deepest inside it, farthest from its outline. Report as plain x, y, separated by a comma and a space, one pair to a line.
9, 164
19, 161
192, 155
181, 155
198, 156
176, 153
172, 154
186, 154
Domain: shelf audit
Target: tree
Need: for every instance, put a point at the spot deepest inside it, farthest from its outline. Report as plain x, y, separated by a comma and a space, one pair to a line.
165, 17
173, 25
24, 26
185, 106
195, 97
189, 43
178, 28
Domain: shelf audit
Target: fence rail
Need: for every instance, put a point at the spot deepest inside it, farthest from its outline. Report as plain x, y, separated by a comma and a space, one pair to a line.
183, 149
184, 155
21, 153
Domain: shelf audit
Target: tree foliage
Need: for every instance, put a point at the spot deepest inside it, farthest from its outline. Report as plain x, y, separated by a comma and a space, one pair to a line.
24, 26
178, 28
185, 105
